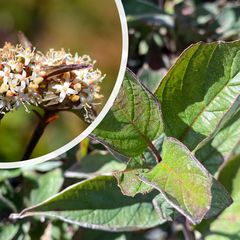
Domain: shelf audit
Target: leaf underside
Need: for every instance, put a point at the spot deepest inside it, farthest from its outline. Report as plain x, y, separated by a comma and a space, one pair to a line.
182, 180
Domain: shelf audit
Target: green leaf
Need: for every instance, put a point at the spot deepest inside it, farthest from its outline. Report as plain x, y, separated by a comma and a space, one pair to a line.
143, 47
6, 174
136, 7
161, 19
201, 91
151, 79
139, 11
94, 164
96, 235
134, 120
47, 185
220, 199
8, 231
223, 145
62, 231
226, 226
228, 22
164, 209
46, 166
128, 180
6, 203
98, 203
182, 180
230, 176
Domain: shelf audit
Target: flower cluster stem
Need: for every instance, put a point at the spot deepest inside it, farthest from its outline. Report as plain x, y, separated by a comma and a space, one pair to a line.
187, 231
48, 117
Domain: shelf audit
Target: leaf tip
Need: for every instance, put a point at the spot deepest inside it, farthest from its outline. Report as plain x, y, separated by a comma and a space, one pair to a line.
15, 216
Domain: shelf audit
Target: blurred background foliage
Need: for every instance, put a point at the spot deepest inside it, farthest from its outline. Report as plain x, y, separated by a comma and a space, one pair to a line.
159, 31
80, 26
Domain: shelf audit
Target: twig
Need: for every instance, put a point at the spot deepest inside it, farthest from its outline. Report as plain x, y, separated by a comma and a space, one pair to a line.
187, 231
48, 117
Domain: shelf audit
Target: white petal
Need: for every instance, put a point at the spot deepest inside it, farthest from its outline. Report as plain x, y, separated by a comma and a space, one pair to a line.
66, 84
24, 74
62, 96
22, 86
58, 87
71, 91
27, 60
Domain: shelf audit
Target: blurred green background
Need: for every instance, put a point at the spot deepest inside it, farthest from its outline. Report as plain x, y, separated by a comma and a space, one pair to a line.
83, 26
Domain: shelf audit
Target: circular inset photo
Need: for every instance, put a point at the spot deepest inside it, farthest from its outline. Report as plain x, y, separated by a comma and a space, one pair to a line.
61, 67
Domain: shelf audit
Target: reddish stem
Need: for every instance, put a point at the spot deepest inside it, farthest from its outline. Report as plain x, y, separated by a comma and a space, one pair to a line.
48, 117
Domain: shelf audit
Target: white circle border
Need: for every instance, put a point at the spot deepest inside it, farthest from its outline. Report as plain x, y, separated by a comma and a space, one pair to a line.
102, 114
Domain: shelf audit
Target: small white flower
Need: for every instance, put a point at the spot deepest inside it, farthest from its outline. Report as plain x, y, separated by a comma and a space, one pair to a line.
21, 78
27, 55
5, 74
13, 83
12, 64
3, 88
64, 90
55, 57
80, 74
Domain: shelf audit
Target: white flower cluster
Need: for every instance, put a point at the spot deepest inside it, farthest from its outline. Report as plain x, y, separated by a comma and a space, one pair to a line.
56, 80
